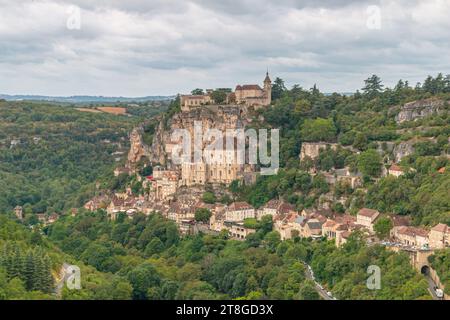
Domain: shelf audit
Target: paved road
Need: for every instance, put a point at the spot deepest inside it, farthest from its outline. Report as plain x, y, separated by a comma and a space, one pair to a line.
321, 292
431, 286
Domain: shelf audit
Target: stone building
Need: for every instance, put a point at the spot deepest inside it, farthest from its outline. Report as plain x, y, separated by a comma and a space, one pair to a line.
439, 236
254, 95
238, 211
237, 230
395, 170
411, 236
189, 101
164, 184
247, 94
275, 207
367, 218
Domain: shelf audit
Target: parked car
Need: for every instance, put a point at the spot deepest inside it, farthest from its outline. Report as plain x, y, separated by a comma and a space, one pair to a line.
439, 293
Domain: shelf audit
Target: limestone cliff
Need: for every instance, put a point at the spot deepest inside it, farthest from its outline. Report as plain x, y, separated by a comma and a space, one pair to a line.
419, 109
138, 149
221, 117
312, 149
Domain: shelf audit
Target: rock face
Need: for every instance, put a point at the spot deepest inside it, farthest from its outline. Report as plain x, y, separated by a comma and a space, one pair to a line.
312, 149
403, 149
138, 149
209, 116
223, 119
419, 109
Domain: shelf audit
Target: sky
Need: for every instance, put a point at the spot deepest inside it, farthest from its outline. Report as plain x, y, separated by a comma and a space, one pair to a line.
164, 47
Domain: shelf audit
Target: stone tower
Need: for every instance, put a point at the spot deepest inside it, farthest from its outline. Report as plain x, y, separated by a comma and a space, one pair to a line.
268, 88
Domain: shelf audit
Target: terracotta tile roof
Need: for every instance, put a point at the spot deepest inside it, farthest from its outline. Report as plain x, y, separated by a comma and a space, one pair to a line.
242, 205
345, 218
413, 231
368, 213
329, 223
398, 221
189, 97
272, 204
248, 87
441, 170
342, 227
441, 228
396, 167
286, 208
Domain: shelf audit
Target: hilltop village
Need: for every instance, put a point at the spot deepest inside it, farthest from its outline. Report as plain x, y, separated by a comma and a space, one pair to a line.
368, 172
183, 192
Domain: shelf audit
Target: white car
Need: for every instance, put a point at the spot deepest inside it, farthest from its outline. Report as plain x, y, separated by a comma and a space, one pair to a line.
439, 293
329, 294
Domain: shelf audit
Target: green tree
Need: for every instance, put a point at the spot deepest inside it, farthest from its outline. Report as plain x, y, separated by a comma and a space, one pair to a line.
209, 197
383, 227
318, 130
202, 215
308, 291
197, 92
369, 163
373, 87
278, 88
219, 96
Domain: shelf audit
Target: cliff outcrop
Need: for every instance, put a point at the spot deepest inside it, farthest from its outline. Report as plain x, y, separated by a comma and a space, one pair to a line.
419, 109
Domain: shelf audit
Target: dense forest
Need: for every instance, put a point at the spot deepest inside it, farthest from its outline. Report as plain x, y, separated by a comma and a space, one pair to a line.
52, 157
149, 255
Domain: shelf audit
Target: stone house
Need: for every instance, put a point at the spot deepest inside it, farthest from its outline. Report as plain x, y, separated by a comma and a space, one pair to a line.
237, 230
411, 236
367, 218
164, 184
238, 211
439, 236
284, 224
189, 101
275, 207
395, 170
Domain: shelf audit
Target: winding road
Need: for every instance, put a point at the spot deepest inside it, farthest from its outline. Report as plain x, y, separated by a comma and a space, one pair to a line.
322, 292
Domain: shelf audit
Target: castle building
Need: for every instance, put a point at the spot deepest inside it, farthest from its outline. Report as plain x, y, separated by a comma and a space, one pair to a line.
247, 94
253, 94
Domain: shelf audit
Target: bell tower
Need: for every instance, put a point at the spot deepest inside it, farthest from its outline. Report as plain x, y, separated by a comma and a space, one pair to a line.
268, 88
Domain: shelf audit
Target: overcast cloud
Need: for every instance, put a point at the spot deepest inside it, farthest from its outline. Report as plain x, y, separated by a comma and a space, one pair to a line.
153, 47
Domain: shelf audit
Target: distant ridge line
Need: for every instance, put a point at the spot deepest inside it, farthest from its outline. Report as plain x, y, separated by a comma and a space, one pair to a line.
82, 99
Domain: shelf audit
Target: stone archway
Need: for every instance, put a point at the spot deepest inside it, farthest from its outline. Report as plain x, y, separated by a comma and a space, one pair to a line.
425, 270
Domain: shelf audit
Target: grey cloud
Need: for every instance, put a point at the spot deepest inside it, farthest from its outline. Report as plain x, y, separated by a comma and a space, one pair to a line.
167, 46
